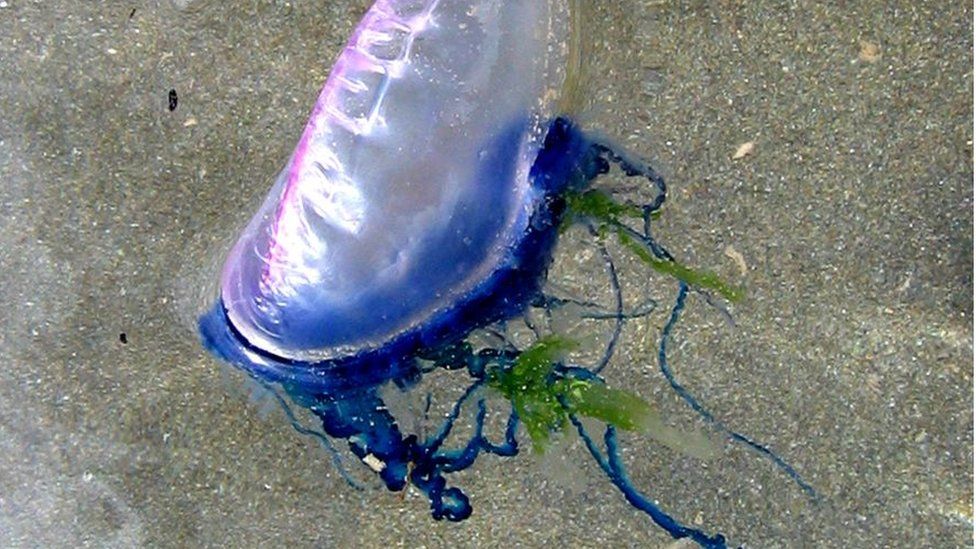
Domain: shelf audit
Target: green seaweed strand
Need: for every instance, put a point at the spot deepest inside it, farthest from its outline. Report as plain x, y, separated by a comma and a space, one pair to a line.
544, 399
598, 206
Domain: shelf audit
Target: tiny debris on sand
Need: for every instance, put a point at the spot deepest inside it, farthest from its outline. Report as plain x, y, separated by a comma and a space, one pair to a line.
736, 256
744, 150
870, 52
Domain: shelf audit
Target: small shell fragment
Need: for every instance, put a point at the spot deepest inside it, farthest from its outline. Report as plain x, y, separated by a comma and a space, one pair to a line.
374, 463
744, 150
870, 52
737, 257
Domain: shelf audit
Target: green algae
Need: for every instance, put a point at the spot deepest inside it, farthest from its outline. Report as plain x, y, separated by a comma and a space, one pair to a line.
544, 399
609, 214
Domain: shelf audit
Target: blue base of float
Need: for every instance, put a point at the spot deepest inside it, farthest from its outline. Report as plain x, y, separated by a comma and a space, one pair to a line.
505, 294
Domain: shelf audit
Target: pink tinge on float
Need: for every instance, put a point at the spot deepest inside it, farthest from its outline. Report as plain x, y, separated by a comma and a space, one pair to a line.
416, 153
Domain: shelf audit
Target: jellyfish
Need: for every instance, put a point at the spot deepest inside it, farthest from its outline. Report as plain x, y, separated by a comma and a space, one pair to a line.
422, 203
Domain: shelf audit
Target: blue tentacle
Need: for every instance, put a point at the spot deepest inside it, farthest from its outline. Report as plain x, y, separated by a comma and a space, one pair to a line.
761, 449
614, 468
